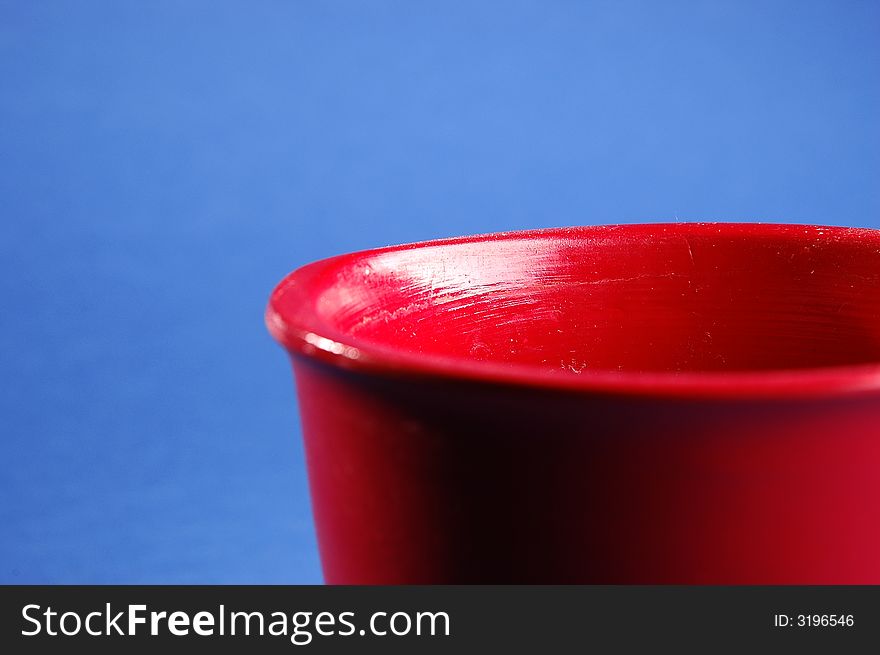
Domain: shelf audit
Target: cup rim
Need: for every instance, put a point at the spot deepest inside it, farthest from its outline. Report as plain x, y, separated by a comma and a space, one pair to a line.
293, 320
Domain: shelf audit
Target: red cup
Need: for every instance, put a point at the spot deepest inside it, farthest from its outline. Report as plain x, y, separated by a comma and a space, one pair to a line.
688, 403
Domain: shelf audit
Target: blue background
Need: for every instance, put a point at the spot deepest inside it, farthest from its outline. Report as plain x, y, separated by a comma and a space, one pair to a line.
163, 164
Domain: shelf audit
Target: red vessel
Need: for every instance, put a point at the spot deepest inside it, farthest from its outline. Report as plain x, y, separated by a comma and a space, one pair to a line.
684, 403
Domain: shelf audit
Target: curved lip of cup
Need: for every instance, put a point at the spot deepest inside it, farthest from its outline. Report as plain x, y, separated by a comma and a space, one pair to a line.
293, 319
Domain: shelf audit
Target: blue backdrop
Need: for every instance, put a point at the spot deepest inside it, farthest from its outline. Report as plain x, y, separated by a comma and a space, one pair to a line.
163, 164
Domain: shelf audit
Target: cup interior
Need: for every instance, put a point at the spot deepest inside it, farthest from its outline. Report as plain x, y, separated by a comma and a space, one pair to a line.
648, 298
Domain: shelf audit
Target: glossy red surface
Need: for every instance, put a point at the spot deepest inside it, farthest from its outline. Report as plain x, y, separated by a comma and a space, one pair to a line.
688, 403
